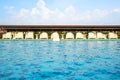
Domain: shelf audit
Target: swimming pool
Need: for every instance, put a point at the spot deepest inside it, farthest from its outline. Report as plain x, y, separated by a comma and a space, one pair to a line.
64, 60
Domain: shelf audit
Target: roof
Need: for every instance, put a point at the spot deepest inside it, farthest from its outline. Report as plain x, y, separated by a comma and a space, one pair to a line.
60, 27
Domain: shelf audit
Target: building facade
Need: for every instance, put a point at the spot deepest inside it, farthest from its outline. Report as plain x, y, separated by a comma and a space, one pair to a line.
58, 32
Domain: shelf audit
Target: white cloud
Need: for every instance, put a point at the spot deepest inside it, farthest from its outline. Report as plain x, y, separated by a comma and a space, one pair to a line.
116, 10
9, 7
70, 10
45, 12
22, 13
35, 11
100, 13
41, 14
41, 4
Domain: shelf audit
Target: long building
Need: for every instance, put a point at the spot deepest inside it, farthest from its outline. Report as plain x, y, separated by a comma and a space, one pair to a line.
65, 31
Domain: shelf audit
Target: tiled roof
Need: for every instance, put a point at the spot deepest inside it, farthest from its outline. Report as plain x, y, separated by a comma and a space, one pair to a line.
61, 27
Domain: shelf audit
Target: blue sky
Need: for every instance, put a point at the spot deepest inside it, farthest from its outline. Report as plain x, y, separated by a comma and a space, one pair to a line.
60, 12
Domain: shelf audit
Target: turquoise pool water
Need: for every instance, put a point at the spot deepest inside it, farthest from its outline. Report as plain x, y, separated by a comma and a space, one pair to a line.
64, 60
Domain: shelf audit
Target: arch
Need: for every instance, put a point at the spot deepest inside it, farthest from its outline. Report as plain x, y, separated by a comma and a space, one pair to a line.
19, 35
112, 35
7, 35
55, 36
92, 35
44, 35
80, 35
100, 35
29, 35
69, 35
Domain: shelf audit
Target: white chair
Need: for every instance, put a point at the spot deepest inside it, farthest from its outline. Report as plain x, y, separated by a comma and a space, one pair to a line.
101, 35
29, 35
44, 35
19, 35
55, 36
79, 35
92, 35
112, 35
7, 35
69, 35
